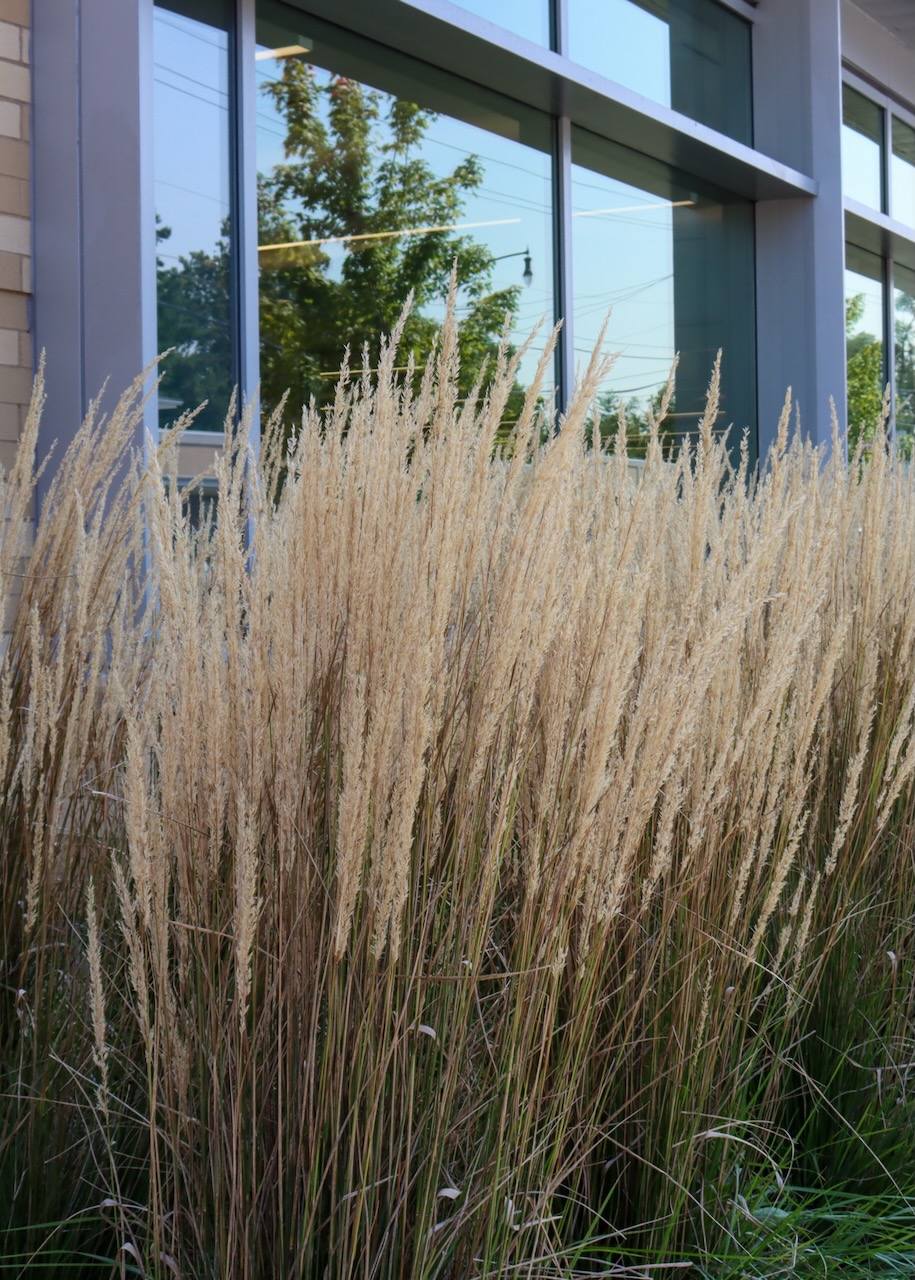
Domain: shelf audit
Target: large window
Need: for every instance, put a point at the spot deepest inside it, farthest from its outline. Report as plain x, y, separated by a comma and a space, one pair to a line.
862, 149
878, 174
880, 346
866, 342
375, 175
878, 156
692, 55
377, 171
672, 263
193, 190
902, 173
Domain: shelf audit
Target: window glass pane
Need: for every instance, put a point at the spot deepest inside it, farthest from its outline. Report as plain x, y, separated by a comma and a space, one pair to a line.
375, 174
674, 261
692, 55
904, 312
903, 173
193, 198
864, 322
862, 149
529, 18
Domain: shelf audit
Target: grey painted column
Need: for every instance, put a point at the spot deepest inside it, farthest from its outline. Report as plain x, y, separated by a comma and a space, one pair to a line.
90, 245
800, 243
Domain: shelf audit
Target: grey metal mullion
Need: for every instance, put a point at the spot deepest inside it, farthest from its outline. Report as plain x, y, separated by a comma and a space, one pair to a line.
563, 257
245, 210
149, 320
889, 328
889, 345
243, 197
559, 22
562, 219
562, 222
236, 188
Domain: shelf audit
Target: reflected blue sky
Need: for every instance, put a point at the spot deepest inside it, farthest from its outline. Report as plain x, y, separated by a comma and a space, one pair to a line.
623, 42
862, 149
191, 152
871, 290
192, 197
528, 18
691, 55
861, 178
622, 254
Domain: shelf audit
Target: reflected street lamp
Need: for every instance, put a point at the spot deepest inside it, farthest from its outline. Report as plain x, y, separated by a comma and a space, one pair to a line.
527, 275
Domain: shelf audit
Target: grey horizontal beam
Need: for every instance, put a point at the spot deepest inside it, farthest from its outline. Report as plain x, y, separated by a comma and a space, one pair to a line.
480, 51
880, 234
746, 8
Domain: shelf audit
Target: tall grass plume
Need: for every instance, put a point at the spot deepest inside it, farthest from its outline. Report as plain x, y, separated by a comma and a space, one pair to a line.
455, 863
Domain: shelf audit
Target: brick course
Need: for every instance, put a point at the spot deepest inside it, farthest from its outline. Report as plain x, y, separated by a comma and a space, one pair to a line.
15, 225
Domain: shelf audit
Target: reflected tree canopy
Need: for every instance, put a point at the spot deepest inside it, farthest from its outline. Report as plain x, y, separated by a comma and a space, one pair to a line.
905, 372
352, 221
866, 373
354, 177
194, 311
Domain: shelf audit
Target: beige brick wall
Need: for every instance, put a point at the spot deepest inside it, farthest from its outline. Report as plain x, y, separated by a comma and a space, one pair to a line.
15, 227
15, 230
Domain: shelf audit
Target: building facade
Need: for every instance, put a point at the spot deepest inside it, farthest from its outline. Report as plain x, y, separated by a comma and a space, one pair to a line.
256, 183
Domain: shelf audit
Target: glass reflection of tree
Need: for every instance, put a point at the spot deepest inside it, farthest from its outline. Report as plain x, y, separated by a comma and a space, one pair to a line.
864, 375
353, 175
354, 178
637, 417
194, 306
905, 374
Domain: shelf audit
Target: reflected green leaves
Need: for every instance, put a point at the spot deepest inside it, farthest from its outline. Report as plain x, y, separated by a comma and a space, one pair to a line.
376, 175
864, 353
904, 319
866, 345
353, 221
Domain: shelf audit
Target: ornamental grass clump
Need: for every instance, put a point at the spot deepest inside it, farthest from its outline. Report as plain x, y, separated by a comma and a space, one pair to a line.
442, 863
